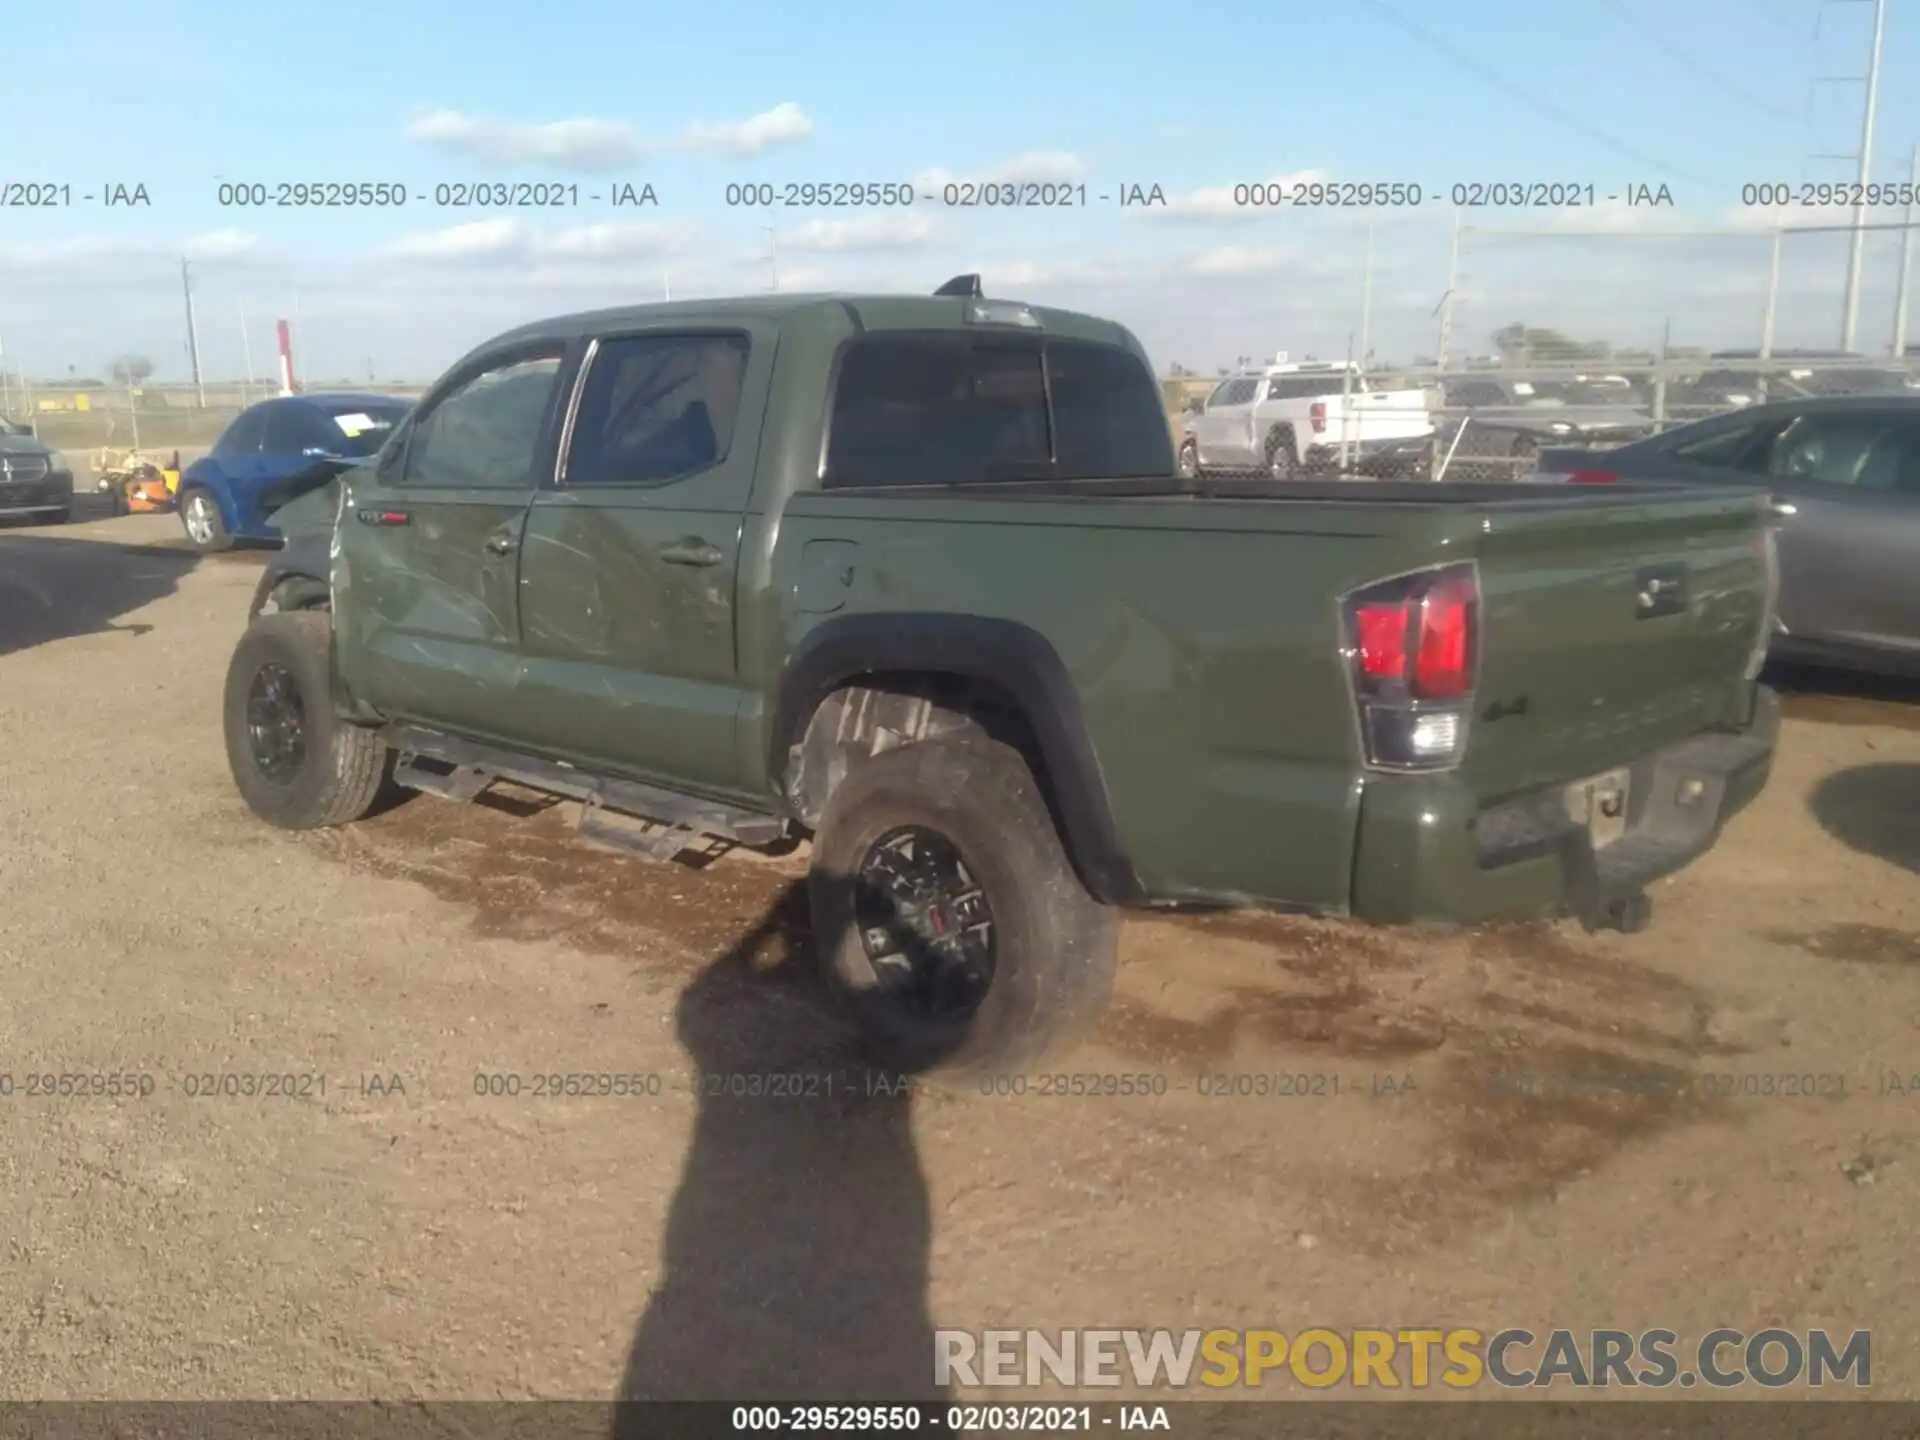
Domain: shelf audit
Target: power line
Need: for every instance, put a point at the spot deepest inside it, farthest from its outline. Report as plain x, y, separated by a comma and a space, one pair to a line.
1686, 61
1462, 60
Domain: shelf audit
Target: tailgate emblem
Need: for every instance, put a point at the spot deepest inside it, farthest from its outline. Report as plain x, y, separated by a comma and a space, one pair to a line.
1661, 590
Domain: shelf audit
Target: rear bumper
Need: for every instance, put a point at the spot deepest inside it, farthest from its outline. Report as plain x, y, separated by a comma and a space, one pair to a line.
1429, 852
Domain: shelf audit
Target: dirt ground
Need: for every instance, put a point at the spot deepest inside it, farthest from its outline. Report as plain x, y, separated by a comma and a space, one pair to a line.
389, 1232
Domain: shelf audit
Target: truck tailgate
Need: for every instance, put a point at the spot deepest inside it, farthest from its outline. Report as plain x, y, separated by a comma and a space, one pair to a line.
1609, 631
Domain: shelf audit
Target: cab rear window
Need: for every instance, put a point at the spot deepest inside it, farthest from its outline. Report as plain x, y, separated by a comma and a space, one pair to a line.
950, 409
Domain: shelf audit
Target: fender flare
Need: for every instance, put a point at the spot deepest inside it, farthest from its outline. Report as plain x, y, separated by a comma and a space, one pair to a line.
1012, 656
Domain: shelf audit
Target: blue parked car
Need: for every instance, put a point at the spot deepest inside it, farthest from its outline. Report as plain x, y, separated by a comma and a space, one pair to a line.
269, 443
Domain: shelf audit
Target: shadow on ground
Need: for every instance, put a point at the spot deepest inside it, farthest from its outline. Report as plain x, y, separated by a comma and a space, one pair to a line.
53, 588
797, 1244
1874, 809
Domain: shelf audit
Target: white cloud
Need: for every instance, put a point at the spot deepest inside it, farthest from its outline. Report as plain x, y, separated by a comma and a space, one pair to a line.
637, 241
1036, 167
802, 278
220, 245
599, 146
511, 238
85, 250
1240, 260
593, 146
1217, 202
866, 232
782, 125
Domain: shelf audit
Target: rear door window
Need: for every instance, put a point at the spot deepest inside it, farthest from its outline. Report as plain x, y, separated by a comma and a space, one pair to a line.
938, 410
1830, 449
657, 408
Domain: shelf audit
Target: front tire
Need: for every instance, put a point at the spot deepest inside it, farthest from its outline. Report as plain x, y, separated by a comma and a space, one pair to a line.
200, 518
947, 916
297, 764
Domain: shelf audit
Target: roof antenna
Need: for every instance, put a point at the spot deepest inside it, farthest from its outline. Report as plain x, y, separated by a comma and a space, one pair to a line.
965, 286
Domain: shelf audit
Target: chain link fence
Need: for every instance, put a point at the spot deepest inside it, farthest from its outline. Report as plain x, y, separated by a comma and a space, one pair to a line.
1484, 423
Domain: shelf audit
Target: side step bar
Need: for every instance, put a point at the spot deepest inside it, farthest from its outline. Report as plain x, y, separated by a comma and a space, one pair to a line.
470, 768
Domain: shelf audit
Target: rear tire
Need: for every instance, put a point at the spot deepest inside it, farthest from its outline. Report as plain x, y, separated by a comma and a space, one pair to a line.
297, 764
1053, 947
1282, 461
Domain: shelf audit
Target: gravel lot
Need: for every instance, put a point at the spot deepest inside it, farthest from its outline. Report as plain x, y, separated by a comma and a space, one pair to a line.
400, 1235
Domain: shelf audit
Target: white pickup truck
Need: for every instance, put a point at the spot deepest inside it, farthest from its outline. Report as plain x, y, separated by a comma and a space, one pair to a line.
1288, 419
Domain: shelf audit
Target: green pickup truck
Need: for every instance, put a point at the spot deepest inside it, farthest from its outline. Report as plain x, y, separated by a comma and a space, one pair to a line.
917, 577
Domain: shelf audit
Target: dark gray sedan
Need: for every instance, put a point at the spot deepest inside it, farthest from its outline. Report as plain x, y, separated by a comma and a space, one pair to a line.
1844, 472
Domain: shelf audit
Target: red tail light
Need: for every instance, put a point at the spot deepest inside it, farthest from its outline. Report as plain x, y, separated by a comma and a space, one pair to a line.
1592, 477
1443, 664
1317, 417
1414, 642
1381, 634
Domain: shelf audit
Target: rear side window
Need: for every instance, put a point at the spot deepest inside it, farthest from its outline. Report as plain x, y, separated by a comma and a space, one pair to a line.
1727, 447
1310, 389
294, 429
1109, 421
244, 436
1830, 449
937, 410
657, 408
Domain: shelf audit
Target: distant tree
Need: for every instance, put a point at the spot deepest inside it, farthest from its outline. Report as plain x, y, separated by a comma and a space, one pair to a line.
1517, 340
132, 369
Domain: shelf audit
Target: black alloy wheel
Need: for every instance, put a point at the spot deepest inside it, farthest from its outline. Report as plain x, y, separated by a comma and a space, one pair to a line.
926, 925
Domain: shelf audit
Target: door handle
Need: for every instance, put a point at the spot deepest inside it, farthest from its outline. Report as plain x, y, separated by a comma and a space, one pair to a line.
697, 553
1783, 508
503, 542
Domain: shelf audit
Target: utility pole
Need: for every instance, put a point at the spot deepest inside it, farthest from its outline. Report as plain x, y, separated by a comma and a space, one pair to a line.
246, 348
1771, 313
1856, 246
1906, 261
1366, 305
1446, 300
193, 340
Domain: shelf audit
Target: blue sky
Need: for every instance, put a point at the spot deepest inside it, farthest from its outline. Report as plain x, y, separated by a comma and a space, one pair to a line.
1699, 95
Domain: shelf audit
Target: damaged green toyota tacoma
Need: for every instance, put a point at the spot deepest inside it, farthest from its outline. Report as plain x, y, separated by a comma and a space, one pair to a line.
916, 577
